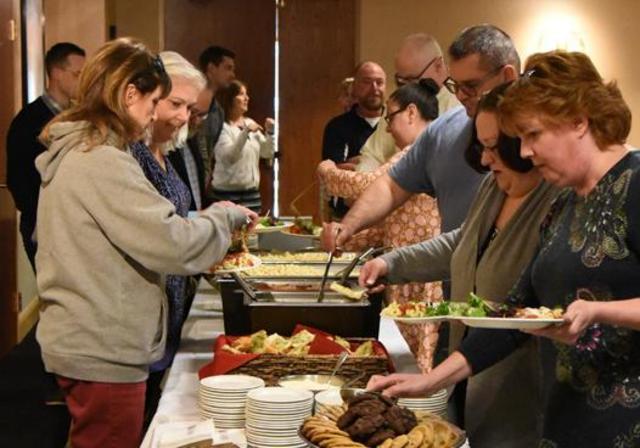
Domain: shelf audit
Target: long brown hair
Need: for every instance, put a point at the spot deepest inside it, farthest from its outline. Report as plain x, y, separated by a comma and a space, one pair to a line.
102, 85
228, 94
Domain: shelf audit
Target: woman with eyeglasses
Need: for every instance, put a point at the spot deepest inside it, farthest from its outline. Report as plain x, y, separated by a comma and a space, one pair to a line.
410, 109
107, 241
486, 256
242, 143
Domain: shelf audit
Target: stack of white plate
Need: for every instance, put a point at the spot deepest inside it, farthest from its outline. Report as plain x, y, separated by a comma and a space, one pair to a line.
435, 404
274, 415
223, 398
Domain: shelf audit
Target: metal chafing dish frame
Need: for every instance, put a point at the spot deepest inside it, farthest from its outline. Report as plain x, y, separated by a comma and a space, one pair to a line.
280, 311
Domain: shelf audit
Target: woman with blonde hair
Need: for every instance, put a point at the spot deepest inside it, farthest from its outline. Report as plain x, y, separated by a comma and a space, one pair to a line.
107, 241
168, 132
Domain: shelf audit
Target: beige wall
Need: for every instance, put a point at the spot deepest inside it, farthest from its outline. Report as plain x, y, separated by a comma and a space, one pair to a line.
607, 30
82, 22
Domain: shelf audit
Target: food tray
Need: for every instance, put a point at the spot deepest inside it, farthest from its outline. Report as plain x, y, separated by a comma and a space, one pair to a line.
335, 315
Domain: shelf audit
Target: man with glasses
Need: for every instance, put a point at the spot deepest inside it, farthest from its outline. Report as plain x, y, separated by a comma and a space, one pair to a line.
187, 160
419, 57
481, 57
345, 134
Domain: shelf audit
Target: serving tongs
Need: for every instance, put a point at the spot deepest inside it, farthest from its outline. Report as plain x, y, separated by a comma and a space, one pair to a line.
346, 272
324, 277
248, 287
326, 270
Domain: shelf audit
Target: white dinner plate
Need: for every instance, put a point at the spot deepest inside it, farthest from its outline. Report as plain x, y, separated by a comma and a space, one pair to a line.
232, 382
255, 260
418, 320
279, 395
509, 323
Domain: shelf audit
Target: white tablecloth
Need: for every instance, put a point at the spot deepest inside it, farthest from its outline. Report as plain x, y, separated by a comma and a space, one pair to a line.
179, 401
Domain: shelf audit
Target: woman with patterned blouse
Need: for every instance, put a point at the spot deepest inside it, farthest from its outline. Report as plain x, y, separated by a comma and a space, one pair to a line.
410, 109
169, 127
573, 126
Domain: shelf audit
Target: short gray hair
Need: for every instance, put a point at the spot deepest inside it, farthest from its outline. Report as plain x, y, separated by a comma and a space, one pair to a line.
177, 66
494, 46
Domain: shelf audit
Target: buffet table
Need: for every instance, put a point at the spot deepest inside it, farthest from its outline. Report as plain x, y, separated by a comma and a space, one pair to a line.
179, 402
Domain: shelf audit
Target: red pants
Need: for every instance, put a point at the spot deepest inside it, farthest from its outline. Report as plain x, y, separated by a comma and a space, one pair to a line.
107, 415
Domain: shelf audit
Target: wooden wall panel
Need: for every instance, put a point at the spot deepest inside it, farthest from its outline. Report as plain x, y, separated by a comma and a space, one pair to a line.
8, 276
317, 50
245, 26
83, 22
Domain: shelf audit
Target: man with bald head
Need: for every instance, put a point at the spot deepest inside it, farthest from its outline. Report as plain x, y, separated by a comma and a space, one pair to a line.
345, 134
418, 57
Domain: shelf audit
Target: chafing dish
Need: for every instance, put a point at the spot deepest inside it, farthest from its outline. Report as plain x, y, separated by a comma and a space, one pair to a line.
279, 311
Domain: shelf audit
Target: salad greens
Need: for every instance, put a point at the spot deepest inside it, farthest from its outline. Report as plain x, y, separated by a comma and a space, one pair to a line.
270, 221
475, 306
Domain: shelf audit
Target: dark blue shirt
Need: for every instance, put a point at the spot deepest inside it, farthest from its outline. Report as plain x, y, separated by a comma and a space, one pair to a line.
344, 137
169, 185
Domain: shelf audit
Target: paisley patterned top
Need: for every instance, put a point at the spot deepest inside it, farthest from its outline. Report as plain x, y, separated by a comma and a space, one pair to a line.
169, 185
416, 220
590, 250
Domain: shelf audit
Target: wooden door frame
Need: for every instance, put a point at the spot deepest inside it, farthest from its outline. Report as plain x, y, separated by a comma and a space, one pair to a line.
9, 86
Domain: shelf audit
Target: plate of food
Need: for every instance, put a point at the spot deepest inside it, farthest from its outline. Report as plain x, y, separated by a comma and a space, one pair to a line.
475, 312
270, 224
514, 318
303, 228
236, 262
238, 258
411, 313
511, 323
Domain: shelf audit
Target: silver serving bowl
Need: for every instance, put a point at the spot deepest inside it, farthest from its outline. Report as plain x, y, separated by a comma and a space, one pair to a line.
322, 382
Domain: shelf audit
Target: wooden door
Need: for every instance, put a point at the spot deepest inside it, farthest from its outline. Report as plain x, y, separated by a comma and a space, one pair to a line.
247, 27
317, 50
9, 300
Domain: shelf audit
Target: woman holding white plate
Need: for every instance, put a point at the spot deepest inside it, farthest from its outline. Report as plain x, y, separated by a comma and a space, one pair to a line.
486, 256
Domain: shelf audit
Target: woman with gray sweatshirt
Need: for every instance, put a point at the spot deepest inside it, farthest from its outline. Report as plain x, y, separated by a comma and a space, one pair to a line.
107, 240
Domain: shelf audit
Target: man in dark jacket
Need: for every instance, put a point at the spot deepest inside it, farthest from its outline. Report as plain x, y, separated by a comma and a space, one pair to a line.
63, 62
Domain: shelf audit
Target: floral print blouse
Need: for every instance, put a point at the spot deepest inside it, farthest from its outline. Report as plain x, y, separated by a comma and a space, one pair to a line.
416, 220
590, 250
169, 185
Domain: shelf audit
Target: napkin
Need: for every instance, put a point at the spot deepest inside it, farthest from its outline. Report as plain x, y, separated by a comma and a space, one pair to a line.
185, 433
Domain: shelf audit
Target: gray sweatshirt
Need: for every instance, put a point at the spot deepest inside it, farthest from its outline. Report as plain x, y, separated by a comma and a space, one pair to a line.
106, 239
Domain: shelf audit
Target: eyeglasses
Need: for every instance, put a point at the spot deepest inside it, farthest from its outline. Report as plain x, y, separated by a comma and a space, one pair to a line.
402, 80
389, 117
471, 87
199, 114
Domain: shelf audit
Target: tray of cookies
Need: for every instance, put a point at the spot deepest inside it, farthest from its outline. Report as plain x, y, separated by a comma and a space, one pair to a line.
372, 420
